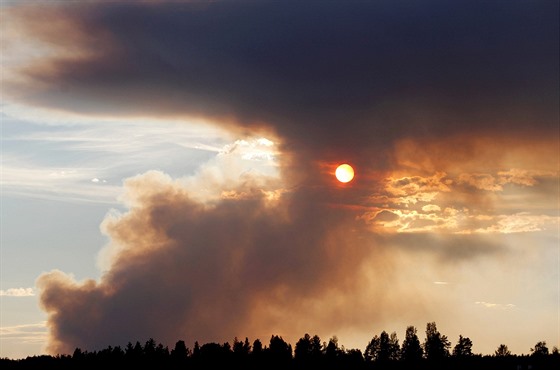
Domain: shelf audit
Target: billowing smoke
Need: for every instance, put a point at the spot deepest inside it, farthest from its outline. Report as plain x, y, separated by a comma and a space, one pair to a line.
180, 268
407, 92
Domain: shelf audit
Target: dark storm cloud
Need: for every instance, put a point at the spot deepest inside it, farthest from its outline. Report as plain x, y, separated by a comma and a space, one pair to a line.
352, 74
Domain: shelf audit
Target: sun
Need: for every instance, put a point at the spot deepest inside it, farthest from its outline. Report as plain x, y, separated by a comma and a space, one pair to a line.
344, 173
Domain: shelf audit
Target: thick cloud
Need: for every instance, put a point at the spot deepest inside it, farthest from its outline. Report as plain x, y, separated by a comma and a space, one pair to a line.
417, 95
346, 76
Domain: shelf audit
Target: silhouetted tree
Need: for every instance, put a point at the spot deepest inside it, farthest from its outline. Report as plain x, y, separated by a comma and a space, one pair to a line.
257, 346
180, 354
154, 353
241, 351
214, 355
211, 349
303, 349
162, 353
246, 346
436, 345
134, 353
279, 351
540, 349
278, 356
372, 349
316, 346
411, 350
308, 351
394, 349
383, 348
78, 354
463, 348
111, 354
150, 348
353, 359
237, 346
180, 351
332, 349
117, 352
244, 349
196, 350
502, 351
257, 358
333, 354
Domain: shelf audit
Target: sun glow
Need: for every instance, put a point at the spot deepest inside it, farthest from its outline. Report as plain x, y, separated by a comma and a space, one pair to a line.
344, 173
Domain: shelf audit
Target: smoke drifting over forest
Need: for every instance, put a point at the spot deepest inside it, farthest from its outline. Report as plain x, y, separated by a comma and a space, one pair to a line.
448, 111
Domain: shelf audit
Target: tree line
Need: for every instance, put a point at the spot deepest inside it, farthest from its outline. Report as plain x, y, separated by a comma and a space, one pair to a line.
383, 351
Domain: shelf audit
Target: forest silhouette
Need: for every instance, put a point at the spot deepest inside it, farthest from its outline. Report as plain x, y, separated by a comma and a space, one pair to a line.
383, 351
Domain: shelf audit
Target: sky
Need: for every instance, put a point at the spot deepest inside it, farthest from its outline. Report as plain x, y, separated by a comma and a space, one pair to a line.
168, 172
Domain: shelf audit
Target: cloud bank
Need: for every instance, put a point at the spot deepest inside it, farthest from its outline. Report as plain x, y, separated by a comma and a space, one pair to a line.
448, 111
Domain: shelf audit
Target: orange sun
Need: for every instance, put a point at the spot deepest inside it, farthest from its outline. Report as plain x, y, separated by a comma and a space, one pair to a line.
344, 173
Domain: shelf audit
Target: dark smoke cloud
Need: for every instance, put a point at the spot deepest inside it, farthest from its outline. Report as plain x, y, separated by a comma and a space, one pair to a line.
354, 76
337, 82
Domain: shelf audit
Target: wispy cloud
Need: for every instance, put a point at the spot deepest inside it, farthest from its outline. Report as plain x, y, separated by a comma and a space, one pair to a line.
87, 160
17, 292
482, 181
61, 183
520, 222
496, 306
496, 182
27, 333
